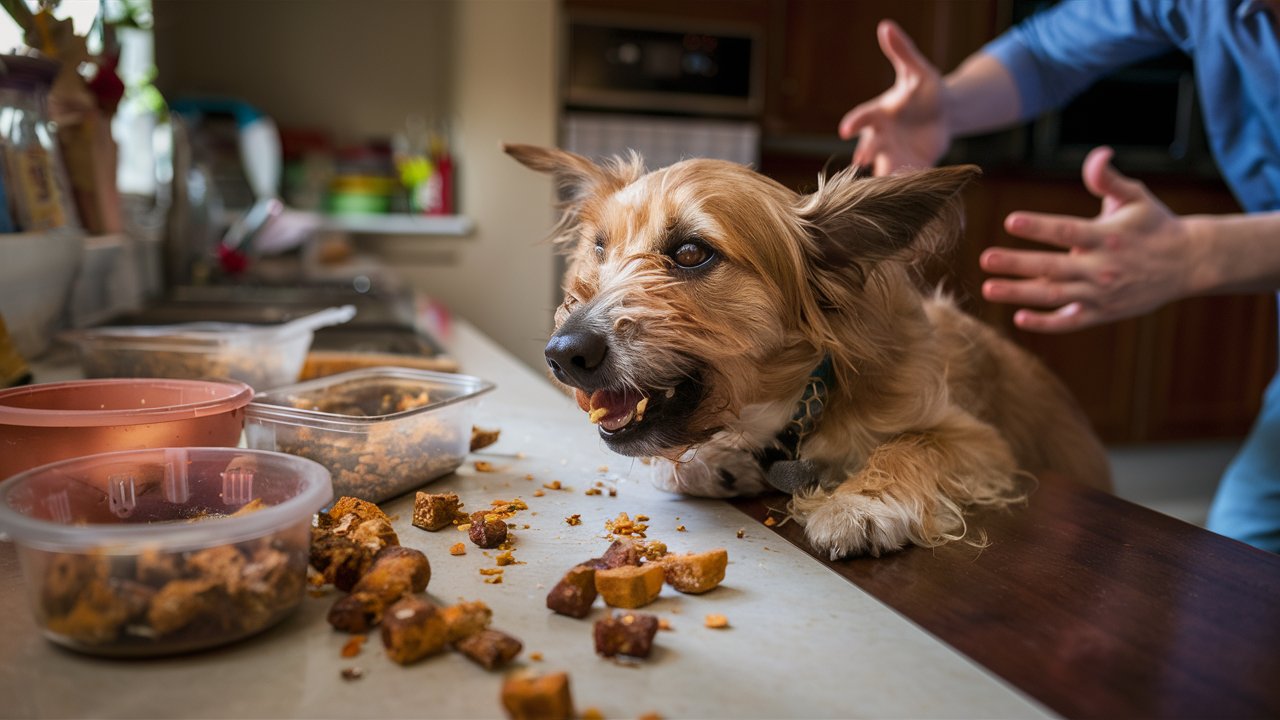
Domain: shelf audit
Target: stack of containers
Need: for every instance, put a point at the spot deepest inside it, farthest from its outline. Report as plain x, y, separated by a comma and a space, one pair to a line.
144, 529
141, 526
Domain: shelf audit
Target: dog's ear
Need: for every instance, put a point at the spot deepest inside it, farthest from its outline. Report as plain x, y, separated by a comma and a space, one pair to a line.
855, 223
575, 176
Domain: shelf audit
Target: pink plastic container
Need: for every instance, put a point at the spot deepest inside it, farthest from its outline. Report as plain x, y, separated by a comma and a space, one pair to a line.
43, 423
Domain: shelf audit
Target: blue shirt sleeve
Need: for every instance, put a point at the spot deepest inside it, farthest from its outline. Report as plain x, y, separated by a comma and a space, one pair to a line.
1057, 53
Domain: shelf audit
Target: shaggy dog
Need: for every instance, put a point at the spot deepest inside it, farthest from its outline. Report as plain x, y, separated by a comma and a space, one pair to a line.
749, 338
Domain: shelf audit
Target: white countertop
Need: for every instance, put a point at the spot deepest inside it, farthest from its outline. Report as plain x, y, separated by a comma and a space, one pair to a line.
803, 641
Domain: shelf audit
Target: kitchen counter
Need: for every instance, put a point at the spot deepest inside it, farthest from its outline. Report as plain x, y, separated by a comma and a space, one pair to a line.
1079, 604
802, 641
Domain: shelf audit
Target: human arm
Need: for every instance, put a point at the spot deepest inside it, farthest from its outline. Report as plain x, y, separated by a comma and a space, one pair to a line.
1133, 257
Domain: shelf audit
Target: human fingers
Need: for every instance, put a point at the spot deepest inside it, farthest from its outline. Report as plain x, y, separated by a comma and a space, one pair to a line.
1061, 230
1103, 180
858, 118
1073, 316
900, 49
1033, 264
1037, 292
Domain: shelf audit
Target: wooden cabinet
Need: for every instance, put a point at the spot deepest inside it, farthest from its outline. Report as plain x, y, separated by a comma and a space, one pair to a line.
824, 57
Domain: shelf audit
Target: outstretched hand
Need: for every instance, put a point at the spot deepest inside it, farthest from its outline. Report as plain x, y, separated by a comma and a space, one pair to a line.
1133, 257
905, 126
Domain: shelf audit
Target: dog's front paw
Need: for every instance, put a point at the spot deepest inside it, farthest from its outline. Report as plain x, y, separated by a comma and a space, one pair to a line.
712, 472
845, 524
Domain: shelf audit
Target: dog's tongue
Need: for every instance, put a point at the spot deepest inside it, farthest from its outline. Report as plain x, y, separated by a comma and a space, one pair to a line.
611, 409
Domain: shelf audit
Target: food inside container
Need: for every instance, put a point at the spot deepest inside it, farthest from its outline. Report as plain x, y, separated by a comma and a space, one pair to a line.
152, 552
264, 356
53, 421
380, 432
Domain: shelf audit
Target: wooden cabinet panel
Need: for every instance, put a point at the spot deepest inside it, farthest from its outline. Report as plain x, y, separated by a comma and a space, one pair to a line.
1211, 361
825, 58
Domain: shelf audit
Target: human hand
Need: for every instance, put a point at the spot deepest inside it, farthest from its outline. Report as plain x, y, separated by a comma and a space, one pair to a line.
1133, 257
905, 126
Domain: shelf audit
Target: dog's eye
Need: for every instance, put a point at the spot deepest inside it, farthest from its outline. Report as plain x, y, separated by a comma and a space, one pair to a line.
692, 254
599, 248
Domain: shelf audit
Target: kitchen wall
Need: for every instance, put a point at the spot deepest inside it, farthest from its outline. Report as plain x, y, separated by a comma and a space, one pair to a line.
357, 69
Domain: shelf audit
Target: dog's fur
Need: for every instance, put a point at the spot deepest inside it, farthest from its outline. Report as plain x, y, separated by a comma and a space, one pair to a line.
929, 410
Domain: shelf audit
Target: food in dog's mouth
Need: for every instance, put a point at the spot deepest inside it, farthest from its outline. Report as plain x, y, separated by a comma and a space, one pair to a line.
649, 419
613, 410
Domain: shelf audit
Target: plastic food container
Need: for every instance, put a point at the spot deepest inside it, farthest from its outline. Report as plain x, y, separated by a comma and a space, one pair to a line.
380, 431
151, 552
264, 356
53, 421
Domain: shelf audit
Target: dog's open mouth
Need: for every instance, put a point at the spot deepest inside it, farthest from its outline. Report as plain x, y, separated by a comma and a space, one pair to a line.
614, 410
638, 422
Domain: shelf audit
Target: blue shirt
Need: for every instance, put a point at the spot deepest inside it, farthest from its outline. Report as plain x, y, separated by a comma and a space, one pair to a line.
1235, 45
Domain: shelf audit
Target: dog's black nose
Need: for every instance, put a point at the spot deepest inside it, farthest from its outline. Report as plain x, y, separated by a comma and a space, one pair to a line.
575, 355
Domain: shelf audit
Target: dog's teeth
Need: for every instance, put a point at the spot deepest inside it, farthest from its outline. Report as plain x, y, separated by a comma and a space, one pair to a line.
671, 392
617, 424
597, 415
640, 408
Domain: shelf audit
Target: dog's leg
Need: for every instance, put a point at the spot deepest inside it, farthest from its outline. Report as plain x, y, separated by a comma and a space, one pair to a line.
715, 470
912, 489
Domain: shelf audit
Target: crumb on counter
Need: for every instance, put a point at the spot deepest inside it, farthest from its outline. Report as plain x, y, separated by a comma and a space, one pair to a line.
716, 621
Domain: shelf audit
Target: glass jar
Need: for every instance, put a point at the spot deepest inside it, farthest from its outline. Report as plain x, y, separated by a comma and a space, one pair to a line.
35, 178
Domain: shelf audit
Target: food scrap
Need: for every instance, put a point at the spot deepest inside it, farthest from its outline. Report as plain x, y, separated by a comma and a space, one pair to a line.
538, 697
352, 647
716, 621
629, 634
624, 525
484, 466
457, 549
574, 519
695, 573
433, 511
482, 438
487, 530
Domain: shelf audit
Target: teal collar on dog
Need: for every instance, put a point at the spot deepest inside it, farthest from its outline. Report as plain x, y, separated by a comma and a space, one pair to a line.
809, 410
783, 469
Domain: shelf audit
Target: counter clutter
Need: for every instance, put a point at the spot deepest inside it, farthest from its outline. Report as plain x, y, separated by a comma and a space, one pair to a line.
781, 636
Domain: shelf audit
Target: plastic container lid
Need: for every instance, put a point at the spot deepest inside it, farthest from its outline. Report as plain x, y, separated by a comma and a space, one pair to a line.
203, 336
122, 401
276, 405
314, 491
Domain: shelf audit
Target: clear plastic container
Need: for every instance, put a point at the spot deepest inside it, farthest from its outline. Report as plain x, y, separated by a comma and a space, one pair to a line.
264, 356
380, 432
52, 421
152, 552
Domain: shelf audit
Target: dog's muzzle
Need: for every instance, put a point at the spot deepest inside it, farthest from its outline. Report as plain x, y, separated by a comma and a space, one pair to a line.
645, 420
